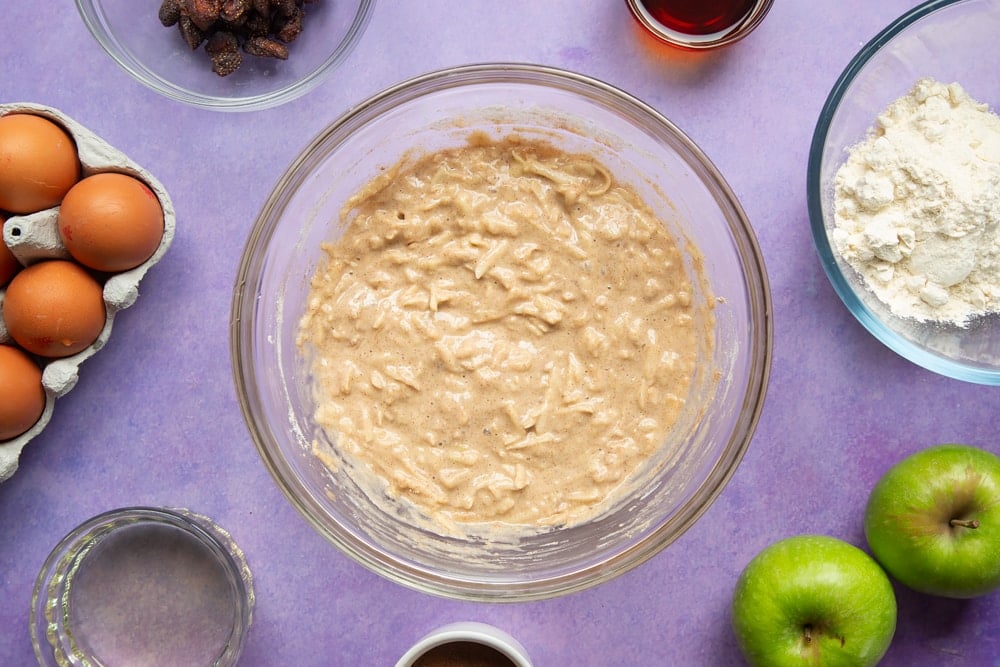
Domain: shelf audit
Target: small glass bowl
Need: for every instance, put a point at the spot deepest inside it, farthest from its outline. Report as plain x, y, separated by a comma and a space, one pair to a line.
507, 651
577, 114
692, 41
131, 33
143, 585
951, 41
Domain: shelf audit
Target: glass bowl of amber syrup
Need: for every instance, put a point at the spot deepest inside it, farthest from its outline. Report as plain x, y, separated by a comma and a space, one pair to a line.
698, 25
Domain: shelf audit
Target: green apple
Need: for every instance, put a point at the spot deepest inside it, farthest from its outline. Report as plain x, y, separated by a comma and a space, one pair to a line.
933, 521
813, 600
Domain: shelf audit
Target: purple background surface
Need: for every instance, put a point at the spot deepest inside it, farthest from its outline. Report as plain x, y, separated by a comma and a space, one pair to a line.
154, 419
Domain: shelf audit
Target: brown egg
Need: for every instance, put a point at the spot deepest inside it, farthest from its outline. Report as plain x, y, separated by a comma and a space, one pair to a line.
38, 163
22, 398
54, 308
8, 263
111, 222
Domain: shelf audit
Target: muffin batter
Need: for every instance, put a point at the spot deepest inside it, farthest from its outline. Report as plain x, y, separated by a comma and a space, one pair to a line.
503, 333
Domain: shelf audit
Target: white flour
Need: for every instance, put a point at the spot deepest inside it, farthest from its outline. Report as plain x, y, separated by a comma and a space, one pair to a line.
918, 205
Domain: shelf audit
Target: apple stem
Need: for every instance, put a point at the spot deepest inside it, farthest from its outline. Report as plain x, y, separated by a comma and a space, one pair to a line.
964, 523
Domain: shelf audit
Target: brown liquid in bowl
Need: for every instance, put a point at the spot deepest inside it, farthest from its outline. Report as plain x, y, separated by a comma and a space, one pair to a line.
463, 654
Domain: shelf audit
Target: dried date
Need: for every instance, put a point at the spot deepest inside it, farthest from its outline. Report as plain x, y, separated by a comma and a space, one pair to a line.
234, 11
256, 26
265, 47
262, 8
203, 13
192, 35
290, 28
284, 8
224, 50
229, 28
170, 12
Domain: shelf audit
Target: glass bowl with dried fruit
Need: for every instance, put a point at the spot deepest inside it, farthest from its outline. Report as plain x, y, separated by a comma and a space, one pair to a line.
501, 332
902, 188
228, 55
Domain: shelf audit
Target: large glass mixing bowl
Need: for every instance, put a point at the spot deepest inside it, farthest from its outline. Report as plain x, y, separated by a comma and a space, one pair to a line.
578, 114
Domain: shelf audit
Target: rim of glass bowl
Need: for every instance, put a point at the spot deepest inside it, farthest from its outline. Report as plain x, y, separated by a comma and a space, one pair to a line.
51, 646
93, 16
868, 319
725, 465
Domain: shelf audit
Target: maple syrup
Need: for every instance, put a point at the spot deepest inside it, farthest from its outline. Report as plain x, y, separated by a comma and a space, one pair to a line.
699, 23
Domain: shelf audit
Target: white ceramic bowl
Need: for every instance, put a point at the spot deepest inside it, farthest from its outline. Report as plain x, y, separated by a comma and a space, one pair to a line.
468, 631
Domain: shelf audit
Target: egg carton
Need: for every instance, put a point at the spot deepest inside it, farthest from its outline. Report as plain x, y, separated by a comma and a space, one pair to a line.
35, 237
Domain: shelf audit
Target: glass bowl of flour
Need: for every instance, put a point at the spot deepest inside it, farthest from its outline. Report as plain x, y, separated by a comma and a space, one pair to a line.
904, 188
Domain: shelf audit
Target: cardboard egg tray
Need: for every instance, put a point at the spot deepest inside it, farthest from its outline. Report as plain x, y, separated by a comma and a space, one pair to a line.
35, 237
